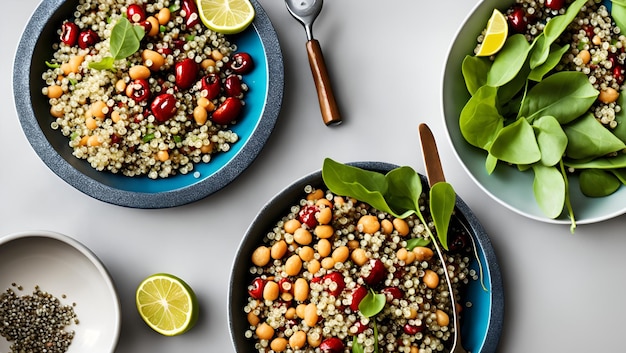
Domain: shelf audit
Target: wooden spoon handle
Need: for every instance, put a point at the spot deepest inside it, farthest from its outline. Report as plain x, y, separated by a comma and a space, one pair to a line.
328, 106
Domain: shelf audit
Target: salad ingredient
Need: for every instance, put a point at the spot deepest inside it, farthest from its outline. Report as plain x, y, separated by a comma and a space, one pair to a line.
495, 34
167, 304
36, 322
226, 16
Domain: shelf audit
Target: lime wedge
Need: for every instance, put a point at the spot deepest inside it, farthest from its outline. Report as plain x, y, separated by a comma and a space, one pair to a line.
226, 16
495, 35
167, 304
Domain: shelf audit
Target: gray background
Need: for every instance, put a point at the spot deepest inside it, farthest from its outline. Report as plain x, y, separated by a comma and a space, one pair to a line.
564, 292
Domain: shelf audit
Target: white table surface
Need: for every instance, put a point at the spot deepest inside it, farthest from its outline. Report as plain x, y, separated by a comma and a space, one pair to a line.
564, 292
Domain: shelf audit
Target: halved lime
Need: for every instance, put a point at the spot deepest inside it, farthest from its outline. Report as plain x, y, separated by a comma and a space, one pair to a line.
226, 16
167, 304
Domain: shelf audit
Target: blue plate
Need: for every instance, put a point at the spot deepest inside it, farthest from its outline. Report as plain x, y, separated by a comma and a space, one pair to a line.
481, 324
261, 111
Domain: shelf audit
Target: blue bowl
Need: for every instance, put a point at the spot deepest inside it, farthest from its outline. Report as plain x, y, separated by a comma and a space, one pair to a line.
263, 103
481, 324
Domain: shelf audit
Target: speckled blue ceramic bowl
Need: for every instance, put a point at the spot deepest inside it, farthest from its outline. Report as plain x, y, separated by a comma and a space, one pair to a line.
263, 103
481, 324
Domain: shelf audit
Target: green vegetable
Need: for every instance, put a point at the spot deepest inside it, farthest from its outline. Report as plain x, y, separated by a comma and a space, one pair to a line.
356, 346
125, 41
589, 139
372, 304
598, 182
52, 66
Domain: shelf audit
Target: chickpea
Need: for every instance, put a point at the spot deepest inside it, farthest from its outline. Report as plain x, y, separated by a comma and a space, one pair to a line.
217, 55
585, 56
291, 225
301, 289
302, 236
290, 314
56, 111
442, 318
324, 247
341, 254
325, 215
431, 279
353, 244
410, 258
293, 265
314, 266
297, 340
310, 315
261, 256
83, 141
91, 123
608, 95
315, 195
359, 256
206, 63
328, 263
264, 331
55, 91
163, 16
120, 85
278, 250
324, 202
278, 344
368, 224
152, 59
423, 253
401, 254
324, 231
253, 319
300, 310
271, 291
206, 104
596, 40
94, 140
139, 72
386, 226
306, 253
314, 339
208, 148
99, 109
163, 155
200, 115
116, 116
401, 226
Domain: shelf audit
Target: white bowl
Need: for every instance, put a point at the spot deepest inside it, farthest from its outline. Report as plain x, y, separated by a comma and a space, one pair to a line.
68, 270
508, 186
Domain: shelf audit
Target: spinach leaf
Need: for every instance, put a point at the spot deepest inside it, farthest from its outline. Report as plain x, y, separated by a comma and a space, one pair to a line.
620, 174
480, 120
510, 90
551, 139
598, 183
553, 59
125, 38
566, 95
105, 64
618, 13
509, 61
620, 118
442, 201
552, 31
416, 242
516, 143
475, 71
590, 139
372, 303
491, 163
356, 346
616, 162
549, 189
364, 185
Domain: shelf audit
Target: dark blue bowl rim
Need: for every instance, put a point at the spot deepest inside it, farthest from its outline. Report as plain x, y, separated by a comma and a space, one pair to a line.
276, 208
23, 92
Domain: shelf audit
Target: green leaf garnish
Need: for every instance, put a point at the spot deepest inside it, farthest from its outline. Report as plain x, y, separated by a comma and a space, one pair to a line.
356, 346
442, 201
125, 41
372, 304
52, 66
416, 242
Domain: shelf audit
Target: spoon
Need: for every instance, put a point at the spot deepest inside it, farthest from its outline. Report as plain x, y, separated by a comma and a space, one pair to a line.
434, 173
306, 12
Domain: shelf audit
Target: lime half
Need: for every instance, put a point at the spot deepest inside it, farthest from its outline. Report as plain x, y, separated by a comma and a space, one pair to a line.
167, 304
226, 16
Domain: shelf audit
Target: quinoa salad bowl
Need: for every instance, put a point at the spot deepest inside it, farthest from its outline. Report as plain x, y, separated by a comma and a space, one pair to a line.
56, 296
543, 139
163, 124
308, 294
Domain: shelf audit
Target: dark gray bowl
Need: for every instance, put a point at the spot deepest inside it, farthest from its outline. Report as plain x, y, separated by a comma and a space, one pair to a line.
481, 324
263, 104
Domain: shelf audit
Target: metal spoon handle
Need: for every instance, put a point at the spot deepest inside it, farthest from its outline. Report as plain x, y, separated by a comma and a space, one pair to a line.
328, 105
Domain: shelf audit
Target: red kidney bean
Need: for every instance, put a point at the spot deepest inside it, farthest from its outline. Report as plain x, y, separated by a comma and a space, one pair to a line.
87, 38
555, 4
256, 288
337, 278
232, 86
307, 215
377, 272
69, 34
227, 111
518, 20
392, 293
358, 293
135, 13
164, 107
146, 25
139, 90
191, 13
186, 73
332, 345
241, 63
211, 83
411, 329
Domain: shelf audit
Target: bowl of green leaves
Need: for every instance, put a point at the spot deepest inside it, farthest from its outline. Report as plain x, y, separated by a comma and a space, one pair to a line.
540, 124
